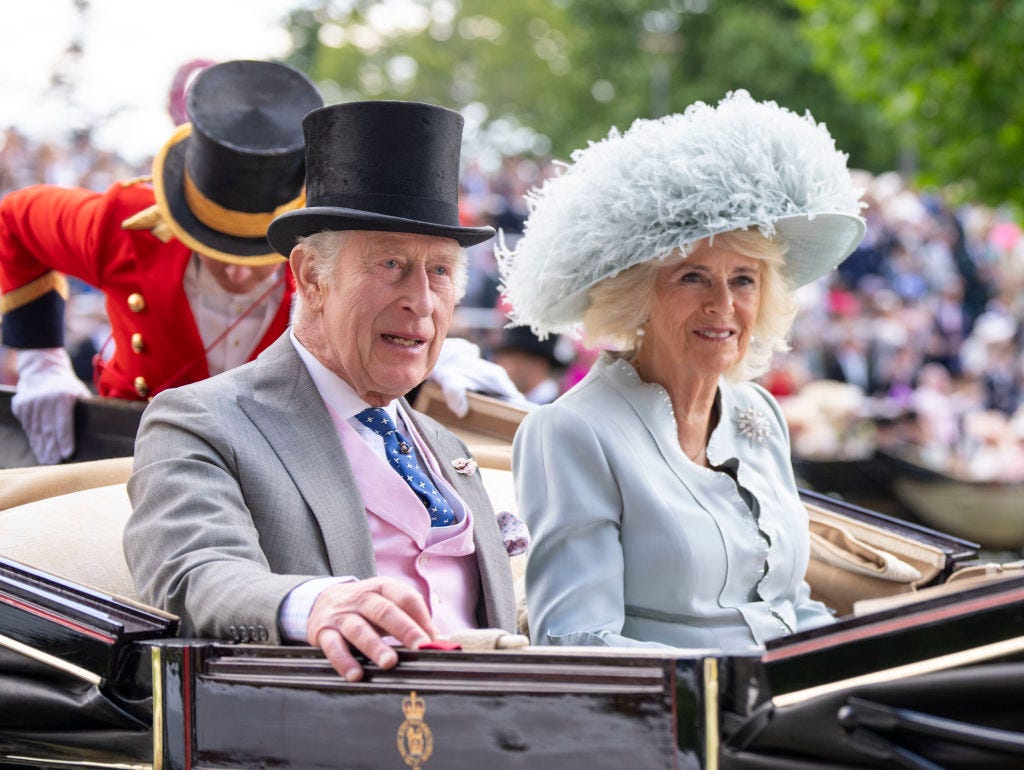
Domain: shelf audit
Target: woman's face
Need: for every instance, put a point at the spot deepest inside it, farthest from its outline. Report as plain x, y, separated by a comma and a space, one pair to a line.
702, 313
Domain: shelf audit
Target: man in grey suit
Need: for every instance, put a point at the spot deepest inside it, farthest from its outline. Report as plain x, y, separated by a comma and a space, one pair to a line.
266, 502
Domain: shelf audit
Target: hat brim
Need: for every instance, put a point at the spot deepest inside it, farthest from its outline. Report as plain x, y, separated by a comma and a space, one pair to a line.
169, 188
817, 243
285, 230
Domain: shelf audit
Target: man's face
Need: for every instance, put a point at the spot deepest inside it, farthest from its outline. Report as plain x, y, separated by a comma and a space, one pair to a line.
238, 279
382, 321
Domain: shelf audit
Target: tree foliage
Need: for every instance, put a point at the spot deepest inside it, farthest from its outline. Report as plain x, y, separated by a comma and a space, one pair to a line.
547, 76
944, 73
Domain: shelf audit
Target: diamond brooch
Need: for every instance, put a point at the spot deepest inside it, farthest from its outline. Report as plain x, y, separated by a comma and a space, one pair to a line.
753, 425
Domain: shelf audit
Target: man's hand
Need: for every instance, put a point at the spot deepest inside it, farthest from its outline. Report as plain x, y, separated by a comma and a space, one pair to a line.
44, 402
361, 614
460, 369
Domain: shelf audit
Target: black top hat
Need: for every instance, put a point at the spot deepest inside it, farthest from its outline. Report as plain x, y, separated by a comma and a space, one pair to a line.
222, 178
380, 165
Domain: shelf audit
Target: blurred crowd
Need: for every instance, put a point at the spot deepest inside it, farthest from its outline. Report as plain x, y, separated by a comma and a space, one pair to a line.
74, 163
913, 345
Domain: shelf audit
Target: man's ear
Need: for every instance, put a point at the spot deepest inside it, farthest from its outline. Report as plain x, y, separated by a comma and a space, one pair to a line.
307, 282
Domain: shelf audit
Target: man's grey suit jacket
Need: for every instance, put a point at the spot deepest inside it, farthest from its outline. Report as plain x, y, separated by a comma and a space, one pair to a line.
241, 491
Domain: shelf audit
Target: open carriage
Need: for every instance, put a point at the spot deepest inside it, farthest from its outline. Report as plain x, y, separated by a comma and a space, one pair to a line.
923, 669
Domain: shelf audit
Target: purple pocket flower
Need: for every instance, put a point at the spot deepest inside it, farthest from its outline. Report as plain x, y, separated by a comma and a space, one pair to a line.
514, 533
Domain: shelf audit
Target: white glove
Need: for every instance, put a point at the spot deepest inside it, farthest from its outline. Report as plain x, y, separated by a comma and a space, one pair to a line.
44, 402
460, 369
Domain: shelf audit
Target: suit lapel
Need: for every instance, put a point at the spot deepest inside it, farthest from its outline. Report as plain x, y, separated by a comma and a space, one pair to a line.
288, 410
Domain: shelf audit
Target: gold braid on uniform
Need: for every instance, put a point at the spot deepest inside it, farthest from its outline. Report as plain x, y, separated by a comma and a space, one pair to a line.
23, 295
149, 219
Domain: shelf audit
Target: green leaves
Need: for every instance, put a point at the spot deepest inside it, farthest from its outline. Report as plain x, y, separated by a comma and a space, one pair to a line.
945, 75
935, 80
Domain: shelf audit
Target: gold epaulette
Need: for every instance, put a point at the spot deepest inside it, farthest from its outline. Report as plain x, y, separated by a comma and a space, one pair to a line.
132, 181
149, 219
23, 295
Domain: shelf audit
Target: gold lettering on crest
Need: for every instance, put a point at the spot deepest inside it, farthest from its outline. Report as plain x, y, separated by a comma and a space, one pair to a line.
415, 741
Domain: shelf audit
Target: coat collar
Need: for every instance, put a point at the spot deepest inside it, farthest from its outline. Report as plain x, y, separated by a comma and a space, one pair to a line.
741, 416
287, 408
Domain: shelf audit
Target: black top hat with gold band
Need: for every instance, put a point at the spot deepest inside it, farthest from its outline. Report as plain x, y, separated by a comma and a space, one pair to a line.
380, 165
223, 177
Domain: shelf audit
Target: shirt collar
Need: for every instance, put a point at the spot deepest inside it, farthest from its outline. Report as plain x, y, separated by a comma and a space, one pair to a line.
336, 393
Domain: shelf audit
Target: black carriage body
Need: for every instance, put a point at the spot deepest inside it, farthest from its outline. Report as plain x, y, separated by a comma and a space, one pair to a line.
934, 681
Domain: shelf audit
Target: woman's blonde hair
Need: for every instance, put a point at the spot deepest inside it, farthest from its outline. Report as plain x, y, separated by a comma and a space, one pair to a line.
620, 305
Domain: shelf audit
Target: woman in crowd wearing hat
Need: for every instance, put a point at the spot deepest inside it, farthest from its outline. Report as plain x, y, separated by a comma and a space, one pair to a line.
192, 287
659, 491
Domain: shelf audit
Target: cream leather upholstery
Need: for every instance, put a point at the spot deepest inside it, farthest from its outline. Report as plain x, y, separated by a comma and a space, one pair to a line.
24, 485
75, 536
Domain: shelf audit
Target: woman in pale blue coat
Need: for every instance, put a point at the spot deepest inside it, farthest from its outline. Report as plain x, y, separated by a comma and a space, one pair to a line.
659, 491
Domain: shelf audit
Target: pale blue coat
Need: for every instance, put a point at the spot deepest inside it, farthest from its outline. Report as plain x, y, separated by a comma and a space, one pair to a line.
635, 545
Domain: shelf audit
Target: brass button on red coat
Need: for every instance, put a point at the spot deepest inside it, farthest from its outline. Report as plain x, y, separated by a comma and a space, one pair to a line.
141, 386
138, 345
136, 302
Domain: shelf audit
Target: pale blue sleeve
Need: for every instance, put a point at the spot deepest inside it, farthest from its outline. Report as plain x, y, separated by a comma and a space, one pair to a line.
810, 613
567, 493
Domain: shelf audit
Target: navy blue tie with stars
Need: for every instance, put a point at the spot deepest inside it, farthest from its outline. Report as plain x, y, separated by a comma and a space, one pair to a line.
402, 458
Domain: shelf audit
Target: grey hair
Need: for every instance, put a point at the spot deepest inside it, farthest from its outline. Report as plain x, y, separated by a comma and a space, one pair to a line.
620, 305
324, 247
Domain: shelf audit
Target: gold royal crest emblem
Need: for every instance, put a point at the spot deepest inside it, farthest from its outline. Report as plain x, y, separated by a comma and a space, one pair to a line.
415, 741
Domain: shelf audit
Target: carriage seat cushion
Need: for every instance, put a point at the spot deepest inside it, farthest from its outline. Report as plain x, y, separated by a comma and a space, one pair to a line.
25, 485
75, 536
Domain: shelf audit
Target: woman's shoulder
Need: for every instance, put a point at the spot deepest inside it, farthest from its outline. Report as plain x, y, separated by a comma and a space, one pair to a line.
573, 407
577, 412
746, 395
750, 392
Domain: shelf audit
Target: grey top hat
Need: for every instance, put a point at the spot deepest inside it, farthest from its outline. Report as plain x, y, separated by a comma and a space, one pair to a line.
380, 165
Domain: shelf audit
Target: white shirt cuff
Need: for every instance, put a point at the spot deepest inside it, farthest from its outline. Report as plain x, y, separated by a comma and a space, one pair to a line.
294, 613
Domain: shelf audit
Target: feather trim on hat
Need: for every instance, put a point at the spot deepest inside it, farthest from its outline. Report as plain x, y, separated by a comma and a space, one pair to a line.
665, 184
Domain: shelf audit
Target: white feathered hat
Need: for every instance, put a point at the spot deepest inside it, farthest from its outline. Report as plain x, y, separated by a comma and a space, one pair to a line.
669, 182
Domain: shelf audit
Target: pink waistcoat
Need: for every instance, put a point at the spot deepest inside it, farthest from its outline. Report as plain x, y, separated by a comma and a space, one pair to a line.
437, 561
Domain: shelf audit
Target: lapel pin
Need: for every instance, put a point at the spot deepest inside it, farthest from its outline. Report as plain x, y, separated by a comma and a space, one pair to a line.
465, 466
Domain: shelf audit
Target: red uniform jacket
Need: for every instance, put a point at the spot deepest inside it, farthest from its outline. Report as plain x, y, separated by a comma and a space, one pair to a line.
83, 234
